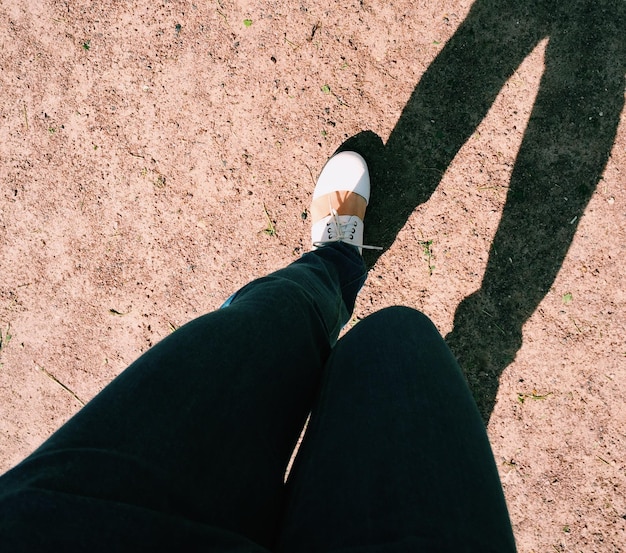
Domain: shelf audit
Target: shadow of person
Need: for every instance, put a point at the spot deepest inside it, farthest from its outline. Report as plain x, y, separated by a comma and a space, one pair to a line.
563, 153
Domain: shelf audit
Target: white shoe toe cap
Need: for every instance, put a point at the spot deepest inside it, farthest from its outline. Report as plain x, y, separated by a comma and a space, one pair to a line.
344, 171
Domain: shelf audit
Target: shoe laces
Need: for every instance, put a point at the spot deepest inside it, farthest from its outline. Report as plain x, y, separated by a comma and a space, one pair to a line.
342, 228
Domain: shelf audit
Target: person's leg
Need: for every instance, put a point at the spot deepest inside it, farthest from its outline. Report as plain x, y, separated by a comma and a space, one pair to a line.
197, 432
396, 456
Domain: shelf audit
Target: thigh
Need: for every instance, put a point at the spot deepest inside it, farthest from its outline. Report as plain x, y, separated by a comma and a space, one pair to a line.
199, 430
396, 454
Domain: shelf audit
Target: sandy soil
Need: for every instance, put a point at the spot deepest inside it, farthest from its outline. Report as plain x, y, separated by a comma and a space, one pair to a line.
155, 156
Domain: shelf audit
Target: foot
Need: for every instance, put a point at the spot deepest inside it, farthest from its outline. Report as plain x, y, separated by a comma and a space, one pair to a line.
339, 201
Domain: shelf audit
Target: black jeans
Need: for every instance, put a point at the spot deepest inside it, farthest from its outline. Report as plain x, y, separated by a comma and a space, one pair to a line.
188, 447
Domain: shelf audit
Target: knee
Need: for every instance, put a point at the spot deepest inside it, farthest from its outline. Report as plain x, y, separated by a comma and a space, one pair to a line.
402, 320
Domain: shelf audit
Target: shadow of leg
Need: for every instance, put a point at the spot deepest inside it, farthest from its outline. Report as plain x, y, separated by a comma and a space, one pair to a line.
447, 105
562, 157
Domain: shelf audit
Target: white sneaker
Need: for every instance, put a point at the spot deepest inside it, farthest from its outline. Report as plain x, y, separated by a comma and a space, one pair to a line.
340, 198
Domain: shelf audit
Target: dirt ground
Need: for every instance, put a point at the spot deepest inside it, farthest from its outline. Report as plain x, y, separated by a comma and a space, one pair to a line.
155, 156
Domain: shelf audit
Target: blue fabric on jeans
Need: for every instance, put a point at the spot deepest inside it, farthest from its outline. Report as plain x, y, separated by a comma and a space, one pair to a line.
187, 448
